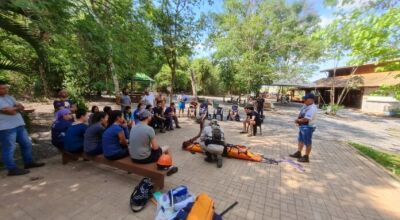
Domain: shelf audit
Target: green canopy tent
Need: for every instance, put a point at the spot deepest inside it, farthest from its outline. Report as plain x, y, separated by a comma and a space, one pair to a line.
142, 78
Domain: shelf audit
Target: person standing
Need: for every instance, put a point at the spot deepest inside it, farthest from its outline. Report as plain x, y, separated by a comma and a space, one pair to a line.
125, 99
182, 101
161, 98
148, 99
260, 105
63, 102
12, 130
306, 123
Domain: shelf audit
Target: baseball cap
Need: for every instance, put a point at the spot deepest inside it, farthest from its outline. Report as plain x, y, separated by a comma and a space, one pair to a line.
309, 96
143, 114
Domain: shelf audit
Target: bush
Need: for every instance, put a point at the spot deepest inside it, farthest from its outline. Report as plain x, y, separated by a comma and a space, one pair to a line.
332, 109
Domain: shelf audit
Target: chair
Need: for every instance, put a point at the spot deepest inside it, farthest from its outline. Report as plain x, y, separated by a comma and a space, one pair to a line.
218, 111
234, 108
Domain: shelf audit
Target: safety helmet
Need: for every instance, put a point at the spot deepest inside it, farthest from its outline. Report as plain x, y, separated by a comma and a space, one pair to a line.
164, 162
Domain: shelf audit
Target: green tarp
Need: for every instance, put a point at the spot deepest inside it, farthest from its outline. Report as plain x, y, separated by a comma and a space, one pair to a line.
142, 77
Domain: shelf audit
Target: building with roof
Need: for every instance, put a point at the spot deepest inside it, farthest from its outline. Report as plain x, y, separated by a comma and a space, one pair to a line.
363, 80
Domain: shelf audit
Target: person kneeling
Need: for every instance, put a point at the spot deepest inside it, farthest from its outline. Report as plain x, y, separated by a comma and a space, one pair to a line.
114, 139
213, 142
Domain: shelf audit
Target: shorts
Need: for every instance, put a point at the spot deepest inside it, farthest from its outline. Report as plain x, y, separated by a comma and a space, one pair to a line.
154, 156
305, 134
181, 106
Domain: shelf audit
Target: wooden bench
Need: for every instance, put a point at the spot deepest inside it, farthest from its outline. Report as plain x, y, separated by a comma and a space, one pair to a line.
147, 170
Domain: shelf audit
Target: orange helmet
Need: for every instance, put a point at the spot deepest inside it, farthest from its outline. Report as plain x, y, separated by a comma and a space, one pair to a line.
164, 162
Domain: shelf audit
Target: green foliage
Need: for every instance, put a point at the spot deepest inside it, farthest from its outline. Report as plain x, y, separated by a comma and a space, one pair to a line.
385, 90
265, 41
332, 109
163, 79
388, 160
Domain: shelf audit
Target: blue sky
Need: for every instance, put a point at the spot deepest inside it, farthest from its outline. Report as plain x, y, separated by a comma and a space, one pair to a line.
326, 16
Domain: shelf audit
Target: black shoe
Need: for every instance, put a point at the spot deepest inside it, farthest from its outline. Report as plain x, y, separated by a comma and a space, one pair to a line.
17, 172
162, 131
219, 161
304, 159
178, 126
33, 165
209, 158
171, 129
296, 155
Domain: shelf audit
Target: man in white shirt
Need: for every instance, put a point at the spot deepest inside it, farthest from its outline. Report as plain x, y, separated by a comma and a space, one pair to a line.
212, 142
148, 99
306, 123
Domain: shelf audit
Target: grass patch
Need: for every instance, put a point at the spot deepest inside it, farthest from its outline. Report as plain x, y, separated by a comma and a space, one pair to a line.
390, 161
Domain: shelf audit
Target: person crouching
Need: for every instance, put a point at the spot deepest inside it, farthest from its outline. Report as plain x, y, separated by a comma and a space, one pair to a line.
213, 142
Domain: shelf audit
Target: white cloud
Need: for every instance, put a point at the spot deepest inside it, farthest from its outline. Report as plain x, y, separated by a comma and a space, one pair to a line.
354, 4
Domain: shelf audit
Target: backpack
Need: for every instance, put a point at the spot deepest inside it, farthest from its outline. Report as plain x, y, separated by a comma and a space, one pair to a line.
141, 194
201, 209
217, 136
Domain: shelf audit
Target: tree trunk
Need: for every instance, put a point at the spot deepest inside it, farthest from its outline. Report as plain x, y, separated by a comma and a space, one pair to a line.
114, 76
193, 81
42, 73
173, 74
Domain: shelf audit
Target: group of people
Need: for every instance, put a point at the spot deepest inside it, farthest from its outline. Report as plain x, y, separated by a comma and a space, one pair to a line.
114, 133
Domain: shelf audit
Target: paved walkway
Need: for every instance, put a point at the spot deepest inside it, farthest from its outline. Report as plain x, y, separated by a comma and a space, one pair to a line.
338, 183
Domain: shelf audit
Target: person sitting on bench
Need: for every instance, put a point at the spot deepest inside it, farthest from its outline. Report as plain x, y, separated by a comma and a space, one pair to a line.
143, 146
170, 115
92, 144
107, 110
140, 106
94, 110
128, 116
73, 140
252, 121
159, 119
60, 127
115, 137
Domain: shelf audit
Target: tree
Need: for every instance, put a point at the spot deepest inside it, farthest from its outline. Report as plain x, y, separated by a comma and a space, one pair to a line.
265, 40
177, 25
365, 34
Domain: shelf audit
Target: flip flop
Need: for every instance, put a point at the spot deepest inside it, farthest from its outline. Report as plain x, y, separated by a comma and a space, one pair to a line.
172, 170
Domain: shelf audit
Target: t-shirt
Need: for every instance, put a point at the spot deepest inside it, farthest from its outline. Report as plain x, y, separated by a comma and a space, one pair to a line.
260, 103
92, 137
73, 140
58, 130
110, 140
148, 99
206, 134
62, 104
169, 110
139, 141
309, 112
158, 111
125, 101
9, 121
136, 115
256, 115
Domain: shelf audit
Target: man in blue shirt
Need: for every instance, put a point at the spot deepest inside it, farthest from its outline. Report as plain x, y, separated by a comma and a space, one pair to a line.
306, 123
170, 115
12, 129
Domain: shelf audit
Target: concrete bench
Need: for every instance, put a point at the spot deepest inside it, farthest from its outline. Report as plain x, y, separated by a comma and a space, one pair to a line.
146, 170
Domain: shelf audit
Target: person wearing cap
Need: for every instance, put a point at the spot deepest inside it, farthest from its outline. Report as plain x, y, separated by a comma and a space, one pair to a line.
212, 142
143, 146
306, 123
60, 127
12, 130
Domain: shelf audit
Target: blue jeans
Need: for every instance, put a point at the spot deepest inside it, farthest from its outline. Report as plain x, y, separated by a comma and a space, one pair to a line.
305, 134
8, 138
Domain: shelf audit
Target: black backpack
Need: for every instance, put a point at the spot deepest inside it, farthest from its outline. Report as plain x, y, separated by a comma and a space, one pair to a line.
217, 135
141, 194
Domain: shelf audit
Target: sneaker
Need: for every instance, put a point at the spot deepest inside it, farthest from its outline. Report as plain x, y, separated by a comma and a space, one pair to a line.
33, 165
219, 161
243, 132
17, 172
178, 126
304, 159
296, 155
171, 129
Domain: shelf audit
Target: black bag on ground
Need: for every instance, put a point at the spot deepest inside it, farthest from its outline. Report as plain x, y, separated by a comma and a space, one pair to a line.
141, 194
